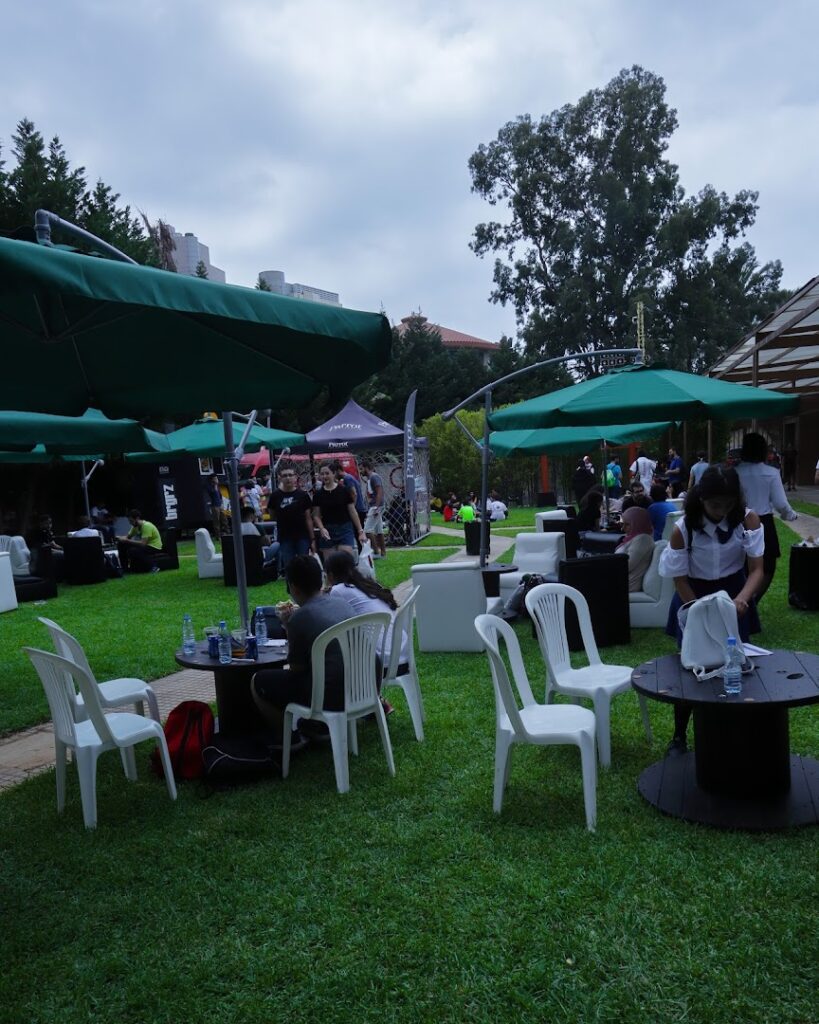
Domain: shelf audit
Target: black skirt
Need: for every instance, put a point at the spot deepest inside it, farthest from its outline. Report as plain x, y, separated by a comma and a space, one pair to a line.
772, 551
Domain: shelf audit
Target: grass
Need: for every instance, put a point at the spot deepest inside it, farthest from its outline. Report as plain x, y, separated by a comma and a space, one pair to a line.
809, 508
407, 899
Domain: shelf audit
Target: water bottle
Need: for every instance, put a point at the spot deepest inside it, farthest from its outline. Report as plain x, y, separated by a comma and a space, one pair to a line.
188, 637
225, 653
732, 673
260, 628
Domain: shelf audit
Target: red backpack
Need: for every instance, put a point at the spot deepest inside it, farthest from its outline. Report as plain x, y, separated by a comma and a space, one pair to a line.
188, 730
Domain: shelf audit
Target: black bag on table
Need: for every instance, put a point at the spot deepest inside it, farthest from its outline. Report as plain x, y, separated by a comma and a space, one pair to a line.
234, 760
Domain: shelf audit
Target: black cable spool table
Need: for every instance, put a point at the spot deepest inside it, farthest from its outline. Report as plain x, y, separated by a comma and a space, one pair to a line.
237, 712
741, 773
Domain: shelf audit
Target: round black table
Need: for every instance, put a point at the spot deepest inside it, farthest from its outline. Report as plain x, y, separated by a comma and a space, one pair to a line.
492, 573
236, 709
741, 773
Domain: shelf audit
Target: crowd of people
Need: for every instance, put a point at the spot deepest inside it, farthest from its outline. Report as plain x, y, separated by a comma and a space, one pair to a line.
468, 509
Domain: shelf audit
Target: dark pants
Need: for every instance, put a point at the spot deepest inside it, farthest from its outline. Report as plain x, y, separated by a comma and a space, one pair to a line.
280, 687
136, 557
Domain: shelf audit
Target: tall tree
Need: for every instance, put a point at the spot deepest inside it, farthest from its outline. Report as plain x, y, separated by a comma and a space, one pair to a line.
262, 285
201, 270
598, 221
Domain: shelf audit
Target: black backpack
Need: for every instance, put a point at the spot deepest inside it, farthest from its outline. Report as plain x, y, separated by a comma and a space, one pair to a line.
233, 760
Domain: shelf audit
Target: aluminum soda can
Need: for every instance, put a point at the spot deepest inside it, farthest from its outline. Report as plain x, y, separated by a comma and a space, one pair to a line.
252, 649
213, 645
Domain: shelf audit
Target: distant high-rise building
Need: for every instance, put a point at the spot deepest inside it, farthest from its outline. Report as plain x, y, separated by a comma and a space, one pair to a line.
189, 253
274, 279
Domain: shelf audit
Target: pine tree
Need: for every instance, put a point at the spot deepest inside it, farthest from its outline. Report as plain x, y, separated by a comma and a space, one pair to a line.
262, 285
202, 270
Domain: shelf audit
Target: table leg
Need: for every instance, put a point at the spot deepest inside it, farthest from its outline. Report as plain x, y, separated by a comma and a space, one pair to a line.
741, 750
235, 707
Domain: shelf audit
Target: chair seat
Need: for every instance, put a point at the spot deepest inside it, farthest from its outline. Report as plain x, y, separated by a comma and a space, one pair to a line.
121, 691
554, 720
127, 727
614, 678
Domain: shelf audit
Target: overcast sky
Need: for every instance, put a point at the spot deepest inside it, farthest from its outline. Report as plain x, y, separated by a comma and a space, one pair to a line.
330, 138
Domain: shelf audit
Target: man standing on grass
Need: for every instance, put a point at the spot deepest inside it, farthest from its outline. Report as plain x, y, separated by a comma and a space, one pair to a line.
374, 523
291, 507
138, 551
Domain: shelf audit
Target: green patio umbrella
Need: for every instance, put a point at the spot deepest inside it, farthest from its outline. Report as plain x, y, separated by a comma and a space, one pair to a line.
566, 440
39, 456
622, 396
207, 437
74, 435
79, 331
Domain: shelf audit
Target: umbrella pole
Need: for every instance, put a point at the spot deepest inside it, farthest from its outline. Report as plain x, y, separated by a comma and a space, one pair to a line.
85, 489
605, 479
484, 548
232, 471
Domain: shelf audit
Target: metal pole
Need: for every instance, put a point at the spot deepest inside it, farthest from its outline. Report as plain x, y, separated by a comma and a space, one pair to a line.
483, 521
231, 461
85, 489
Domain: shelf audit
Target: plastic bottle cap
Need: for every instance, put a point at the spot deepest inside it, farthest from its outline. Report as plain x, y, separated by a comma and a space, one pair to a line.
732, 641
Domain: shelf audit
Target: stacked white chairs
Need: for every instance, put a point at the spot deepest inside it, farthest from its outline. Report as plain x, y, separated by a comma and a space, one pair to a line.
209, 564
404, 673
597, 681
541, 724
111, 694
97, 733
360, 639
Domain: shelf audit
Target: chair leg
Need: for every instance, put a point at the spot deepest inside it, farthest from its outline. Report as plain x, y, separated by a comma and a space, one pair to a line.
550, 694
381, 720
503, 751
287, 732
602, 712
352, 736
646, 719
338, 741
412, 691
59, 766
588, 764
164, 754
87, 771
128, 763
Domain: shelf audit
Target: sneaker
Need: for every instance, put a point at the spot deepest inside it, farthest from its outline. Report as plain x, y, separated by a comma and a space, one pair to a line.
677, 747
297, 742
154, 568
388, 708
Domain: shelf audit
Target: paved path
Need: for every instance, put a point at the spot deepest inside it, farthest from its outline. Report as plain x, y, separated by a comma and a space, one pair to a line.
31, 751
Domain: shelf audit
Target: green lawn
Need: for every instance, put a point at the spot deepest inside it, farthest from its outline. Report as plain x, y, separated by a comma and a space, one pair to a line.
808, 507
406, 899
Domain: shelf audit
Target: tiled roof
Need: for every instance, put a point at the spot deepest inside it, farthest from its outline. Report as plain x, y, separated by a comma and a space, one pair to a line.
450, 338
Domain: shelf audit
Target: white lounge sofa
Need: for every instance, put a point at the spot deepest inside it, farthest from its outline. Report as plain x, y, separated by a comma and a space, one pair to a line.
8, 597
534, 552
670, 522
540, 517
450, 596
648, 608
208, 562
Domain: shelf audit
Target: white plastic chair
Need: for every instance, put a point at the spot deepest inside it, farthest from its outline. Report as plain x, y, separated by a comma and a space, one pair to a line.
359, 638
114, 692
408, 679
541, 724
597, 681
99, 732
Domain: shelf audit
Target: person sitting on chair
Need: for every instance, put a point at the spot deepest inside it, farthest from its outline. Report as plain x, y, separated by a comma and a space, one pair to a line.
270, 552
85, 528
139, 549
273, 689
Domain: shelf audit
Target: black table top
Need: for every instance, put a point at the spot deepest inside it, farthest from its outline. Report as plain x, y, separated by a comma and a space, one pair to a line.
202, 660
786, 678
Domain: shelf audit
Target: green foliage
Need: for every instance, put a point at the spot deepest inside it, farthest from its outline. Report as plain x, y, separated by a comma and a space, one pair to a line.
42, 178
598, 220
202, 270
262, 285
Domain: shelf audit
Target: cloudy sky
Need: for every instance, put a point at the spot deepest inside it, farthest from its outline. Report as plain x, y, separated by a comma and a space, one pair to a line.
330, 138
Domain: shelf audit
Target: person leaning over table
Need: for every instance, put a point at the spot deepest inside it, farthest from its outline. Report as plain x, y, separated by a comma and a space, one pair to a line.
763, 490
139, 549
708, 551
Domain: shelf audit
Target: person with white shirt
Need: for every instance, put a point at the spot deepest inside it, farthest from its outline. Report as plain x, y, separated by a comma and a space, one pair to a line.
642, 469
764, 493
85, 530
709, 549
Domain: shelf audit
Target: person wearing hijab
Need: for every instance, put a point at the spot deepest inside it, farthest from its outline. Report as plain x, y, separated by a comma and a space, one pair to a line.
638, 544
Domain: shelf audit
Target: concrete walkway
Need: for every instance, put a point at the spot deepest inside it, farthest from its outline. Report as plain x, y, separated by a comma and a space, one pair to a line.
31, 751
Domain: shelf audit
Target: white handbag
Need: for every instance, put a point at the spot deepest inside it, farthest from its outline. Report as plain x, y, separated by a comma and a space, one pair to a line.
706, 625
366, 566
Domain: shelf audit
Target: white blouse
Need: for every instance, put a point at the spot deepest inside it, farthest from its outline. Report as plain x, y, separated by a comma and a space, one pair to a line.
708, 559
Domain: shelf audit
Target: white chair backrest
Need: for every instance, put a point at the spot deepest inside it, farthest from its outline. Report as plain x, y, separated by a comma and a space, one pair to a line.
670, 523
401, 626
52, 670
360, 641
539, 552
559, 513
652, 581
67, 646
204, 545
547, 606
491, 629
20, 554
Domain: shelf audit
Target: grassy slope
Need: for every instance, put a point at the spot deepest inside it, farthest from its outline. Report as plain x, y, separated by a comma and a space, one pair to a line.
407, 899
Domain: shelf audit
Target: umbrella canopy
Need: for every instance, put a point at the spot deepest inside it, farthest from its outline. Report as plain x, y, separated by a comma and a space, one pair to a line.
622, 396
74, 435
566, 440
79, 331
354, 428
207, 437
39, 455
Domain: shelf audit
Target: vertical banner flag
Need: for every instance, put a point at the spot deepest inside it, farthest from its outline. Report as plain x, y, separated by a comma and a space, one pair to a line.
409, 448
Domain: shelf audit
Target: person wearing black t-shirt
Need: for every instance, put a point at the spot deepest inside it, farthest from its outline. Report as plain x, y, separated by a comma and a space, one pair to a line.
335, 515
292, 510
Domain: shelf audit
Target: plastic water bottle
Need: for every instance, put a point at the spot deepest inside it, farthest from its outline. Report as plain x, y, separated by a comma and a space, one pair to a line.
188, 637
260, 628
225, 653
732, 673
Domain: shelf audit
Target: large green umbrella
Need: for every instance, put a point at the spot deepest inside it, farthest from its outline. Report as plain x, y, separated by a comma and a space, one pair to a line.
75, 435
625, 395
566, 440
79, 331
39, 455
207, 437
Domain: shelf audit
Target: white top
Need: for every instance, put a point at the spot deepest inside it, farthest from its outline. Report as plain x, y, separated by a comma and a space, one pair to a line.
762, 486
497, 510
708, 559
644, 469
363, 605
86, 531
